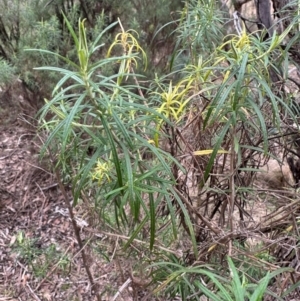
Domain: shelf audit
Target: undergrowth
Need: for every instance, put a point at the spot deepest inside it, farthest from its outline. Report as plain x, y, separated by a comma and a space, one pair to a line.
177, 158
40, 261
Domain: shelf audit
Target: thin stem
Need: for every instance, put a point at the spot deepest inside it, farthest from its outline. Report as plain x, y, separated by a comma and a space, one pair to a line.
231, 180
75, 228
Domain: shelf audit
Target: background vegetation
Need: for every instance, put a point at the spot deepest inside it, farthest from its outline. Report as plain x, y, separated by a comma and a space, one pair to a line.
159, 115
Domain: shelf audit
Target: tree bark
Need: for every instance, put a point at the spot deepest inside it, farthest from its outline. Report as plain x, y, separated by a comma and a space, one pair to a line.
264, 16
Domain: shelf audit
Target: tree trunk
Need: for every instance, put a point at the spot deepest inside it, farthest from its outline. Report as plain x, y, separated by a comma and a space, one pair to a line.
264, 16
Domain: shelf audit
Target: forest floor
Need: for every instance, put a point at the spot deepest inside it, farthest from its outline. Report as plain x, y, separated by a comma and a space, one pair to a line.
39, 255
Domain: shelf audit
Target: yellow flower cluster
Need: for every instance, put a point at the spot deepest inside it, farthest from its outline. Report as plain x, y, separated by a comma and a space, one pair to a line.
102, 172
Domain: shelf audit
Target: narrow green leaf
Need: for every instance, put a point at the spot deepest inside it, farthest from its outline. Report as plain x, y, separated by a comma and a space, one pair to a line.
215, 151
152, 219
187, 220
209, 293
237, 287
129, 184
114, 151
172, 214
261, 288
94, 46
239, 81
67, 60
69, 120
136, 232
216, 109
52, 135
122, 129
262, 124
72, 32
83, 176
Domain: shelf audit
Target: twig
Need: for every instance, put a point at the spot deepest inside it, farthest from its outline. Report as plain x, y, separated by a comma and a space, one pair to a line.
115, 249
19, 140
38, 167
79, 252
98, 233
212, 227
2, 158
22, 266
237, 24
138, 86
32, 293
49, 186
120, 290
43, 205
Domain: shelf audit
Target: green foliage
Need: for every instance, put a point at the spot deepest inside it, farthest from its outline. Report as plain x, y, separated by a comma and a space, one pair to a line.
201, 28
41, 261
199, 32
196, 281
257, 267
230, 88
47, 34
7, 72
102, 125
233, 81
40, 24
117, 127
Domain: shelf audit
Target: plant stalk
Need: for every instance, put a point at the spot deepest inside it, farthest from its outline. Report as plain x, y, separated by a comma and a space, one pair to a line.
231, 184
76, 230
